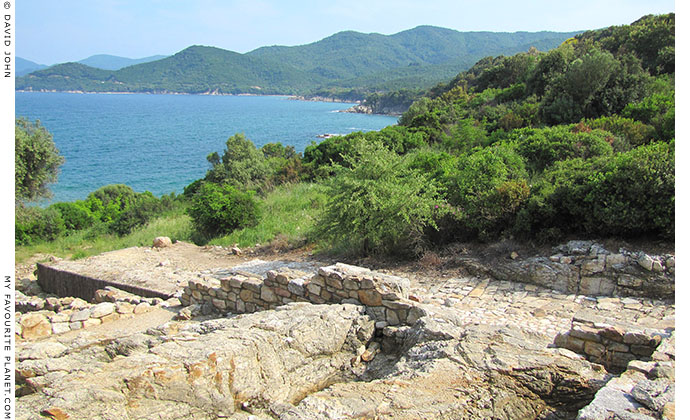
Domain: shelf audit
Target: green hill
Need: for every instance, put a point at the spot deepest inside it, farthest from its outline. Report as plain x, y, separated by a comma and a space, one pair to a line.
416, 58
24, 66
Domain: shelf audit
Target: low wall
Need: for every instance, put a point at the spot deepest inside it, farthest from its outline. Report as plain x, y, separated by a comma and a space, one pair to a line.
384, 296
611, 346
587, 268
66, 283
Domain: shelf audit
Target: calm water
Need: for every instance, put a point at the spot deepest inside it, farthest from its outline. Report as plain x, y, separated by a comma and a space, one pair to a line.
159, 143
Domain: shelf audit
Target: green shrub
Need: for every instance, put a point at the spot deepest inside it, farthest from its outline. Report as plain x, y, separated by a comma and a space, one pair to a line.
34, 224
543, 147
242, 164
634, 132
378, 204
138, 213
630, 194
76, 215
106, 203
220, 209
488, 187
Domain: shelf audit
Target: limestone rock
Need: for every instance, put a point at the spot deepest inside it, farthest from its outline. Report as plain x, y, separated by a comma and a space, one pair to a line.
35, 325
102, 309
162, 242
206, 370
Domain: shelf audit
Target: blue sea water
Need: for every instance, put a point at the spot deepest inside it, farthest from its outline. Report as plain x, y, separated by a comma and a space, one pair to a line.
159, 143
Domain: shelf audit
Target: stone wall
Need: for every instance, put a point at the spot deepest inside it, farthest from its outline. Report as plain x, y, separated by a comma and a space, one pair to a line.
611, 346
67, 283
38, 317
587, 268
386, 297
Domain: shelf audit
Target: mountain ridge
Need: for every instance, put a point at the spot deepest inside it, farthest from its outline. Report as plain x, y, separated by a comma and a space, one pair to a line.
418, 57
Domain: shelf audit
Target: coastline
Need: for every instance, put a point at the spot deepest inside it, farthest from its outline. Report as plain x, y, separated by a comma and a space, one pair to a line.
357, 108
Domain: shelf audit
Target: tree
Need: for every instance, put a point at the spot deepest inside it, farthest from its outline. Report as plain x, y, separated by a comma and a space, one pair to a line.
242, 164
36, 161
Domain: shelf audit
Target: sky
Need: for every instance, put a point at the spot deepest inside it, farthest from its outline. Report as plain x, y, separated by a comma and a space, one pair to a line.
50, 31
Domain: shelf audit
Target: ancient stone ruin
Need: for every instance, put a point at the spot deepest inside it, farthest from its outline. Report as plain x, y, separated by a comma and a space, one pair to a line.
283, 340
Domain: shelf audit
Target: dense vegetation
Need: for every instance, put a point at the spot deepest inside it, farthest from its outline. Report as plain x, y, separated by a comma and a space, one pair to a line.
538, 145
345, 64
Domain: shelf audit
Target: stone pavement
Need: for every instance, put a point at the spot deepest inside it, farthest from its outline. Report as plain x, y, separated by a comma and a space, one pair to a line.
535, 309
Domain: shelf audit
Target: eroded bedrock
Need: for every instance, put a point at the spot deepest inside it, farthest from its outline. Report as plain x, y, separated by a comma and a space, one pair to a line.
305, 361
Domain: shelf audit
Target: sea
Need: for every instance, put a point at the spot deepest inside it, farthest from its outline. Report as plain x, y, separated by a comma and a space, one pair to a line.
159, 143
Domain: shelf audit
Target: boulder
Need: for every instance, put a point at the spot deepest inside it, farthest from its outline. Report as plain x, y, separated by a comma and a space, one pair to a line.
162, 242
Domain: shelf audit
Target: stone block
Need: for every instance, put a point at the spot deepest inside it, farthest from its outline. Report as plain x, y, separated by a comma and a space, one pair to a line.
620, 359
110, 317
235, 282
637, 338
79, 316
197, 295
326, 295
350, 284
392, 317
585, 332
612, 333
616, 259
613, 346
102, 309
296, 286
267, 295
60, 327
594, 349
396, 305
642, 350
75, 325
313, 288
252, 284
575, 344
414, 314
646, 262
219, 304
59, 317
592, 267
627, 280
280, 291
241, 306
334, 282
318, 280
367, 283
246, 295
316, 299
370, 297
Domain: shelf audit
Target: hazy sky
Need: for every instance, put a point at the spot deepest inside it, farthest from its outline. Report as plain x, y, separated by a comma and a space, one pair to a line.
53, 31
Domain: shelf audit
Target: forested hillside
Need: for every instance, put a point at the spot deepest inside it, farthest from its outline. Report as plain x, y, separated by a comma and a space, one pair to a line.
345, 62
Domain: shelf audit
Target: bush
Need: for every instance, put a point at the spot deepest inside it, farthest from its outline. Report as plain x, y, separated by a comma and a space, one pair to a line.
138, 213
631, 194
242, 164
76, 215
106, 203
634, 132
379, 205
541, 148
489, 186
220, 209
33, 224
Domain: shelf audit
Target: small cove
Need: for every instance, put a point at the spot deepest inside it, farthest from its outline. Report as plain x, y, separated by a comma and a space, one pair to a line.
159, 143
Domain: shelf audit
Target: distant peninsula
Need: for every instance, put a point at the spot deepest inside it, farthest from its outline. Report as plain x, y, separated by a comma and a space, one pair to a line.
347, 65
